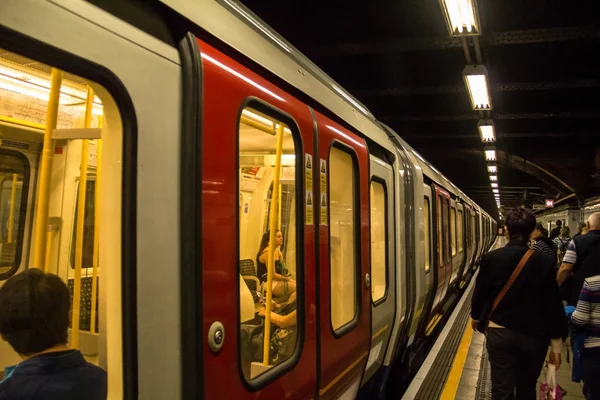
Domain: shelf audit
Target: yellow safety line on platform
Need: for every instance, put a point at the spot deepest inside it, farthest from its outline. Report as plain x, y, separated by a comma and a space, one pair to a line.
458, 365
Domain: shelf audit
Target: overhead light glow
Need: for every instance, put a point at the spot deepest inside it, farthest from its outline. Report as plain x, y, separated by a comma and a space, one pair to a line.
492, 169
490, 153
461, 17
495, 191
494, 185
494, 178
476, 80
487, 130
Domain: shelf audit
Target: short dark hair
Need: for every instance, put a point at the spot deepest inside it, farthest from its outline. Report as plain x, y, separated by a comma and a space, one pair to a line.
558, 222
34, 311
540, 227
520, 222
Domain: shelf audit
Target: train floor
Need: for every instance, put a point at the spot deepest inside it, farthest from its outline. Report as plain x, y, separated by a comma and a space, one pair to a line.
457, 366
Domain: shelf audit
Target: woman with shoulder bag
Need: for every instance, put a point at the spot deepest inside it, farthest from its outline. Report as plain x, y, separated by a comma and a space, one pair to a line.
516, 302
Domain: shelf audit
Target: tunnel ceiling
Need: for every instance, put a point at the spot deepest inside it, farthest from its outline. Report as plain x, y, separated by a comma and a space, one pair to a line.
398, 59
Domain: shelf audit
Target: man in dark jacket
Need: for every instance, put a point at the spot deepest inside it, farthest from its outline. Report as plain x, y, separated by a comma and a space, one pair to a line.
554, 233
34, 317
529, 318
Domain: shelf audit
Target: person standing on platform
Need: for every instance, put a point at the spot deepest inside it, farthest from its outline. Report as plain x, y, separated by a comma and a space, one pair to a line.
517, 301
554, 233
581, 261
542, 243
586, 320
581, 229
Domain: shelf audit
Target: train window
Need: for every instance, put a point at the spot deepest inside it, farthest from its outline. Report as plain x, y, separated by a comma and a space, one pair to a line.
378, 240
14, 188
427, 229
342, 239
43, 228
267, 241
440, 237
453, 230
459, 230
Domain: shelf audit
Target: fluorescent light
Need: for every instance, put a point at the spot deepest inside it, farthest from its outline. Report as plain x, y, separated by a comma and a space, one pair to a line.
495, 191
476, 81
492, 169
490, 152
461, 17
494, 185
269, 123
494, 178
487, 130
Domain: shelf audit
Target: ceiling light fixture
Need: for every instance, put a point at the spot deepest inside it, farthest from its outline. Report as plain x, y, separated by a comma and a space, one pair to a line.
494, 178
476, 80
492, 169
490, 153
462, 18
487, 130
495, 191
494, 185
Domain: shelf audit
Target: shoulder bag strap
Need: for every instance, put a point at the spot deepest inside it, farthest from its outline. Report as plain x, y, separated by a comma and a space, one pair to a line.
510, 281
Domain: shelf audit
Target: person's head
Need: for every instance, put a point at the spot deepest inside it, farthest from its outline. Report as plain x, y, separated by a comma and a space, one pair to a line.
264, 242
558, 223
538, 232
34, 311
580, 227
565, 231
593, 222
520, 222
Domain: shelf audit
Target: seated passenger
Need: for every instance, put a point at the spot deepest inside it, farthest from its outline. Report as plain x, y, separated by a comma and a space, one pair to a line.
34, 318
282, 284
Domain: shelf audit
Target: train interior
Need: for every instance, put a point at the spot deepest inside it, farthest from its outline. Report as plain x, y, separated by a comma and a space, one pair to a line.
267, 198
50, 216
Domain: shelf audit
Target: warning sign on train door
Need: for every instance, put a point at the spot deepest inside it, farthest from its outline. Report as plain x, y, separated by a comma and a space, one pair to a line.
323, 190
308, 181
309, 207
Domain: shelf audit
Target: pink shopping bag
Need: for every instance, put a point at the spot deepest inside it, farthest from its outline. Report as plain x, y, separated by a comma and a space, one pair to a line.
550, 390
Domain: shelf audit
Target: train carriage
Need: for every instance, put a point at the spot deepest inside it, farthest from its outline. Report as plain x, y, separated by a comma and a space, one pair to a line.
230, 221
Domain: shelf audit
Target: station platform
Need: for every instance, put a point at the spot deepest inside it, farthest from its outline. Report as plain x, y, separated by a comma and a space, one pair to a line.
457, 367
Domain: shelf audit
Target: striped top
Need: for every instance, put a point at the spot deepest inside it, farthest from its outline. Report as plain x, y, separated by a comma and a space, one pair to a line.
546, 246
587, 313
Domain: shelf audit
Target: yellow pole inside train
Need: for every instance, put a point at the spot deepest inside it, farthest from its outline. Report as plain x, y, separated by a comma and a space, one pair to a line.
96, 232
11, 213
272, 233
43, 196
80, 223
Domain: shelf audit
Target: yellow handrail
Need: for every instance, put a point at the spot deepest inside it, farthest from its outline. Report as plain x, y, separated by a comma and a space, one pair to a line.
11, 214
48, 250
43, 197
272, 233
80, 222
21, 122
96, 234
279, 207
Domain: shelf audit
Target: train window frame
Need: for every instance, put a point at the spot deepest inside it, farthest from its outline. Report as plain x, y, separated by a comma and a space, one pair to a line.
427, 232
90, 178
446, 228
16, 264
353, 323
459, 223
440, 230
278, 370
383, 184
90, 70
453, 237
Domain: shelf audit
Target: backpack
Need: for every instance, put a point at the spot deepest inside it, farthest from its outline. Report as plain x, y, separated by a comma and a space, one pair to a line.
562, 249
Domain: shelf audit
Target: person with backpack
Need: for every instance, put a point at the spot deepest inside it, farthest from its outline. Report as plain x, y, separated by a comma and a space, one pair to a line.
562, 243
580, 261
554, 233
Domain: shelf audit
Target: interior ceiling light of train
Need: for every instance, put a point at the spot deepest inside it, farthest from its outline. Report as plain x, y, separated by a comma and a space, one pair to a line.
461, 80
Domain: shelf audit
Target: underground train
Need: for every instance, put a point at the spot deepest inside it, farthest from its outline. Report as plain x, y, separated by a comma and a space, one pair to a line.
230, 221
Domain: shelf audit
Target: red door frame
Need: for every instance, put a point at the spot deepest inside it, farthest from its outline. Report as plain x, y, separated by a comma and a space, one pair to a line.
343, 358
227, 85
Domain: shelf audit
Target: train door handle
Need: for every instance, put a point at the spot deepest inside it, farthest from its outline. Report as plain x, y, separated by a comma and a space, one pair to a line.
367, 280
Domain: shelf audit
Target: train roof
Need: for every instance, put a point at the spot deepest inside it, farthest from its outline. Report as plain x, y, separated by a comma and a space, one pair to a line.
238, 27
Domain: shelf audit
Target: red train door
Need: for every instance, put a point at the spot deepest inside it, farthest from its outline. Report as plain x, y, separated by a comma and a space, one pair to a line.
255, 181
444, 262
344, 304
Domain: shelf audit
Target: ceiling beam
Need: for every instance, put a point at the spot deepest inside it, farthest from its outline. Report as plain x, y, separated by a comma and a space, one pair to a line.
516, 37
495, 87
510, 116
501, 135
